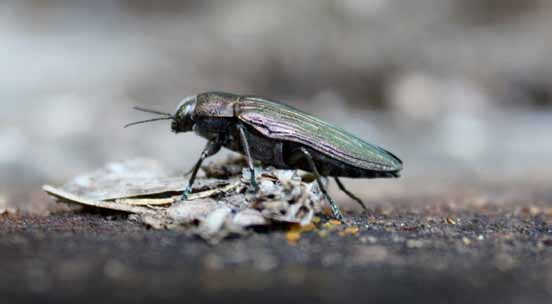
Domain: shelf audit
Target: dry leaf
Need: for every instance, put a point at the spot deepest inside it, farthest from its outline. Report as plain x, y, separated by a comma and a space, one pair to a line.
217, 207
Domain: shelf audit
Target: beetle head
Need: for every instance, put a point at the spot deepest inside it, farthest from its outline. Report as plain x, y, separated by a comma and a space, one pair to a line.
183, 118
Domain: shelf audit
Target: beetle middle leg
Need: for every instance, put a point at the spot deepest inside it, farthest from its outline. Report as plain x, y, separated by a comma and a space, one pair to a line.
211, 148
349, 193
312, 165
245, 145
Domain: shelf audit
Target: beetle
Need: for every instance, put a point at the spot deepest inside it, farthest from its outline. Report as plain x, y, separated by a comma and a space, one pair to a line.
280, 136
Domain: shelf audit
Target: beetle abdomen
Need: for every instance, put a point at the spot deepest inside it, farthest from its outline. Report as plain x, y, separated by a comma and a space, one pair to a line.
282, 122
328, 166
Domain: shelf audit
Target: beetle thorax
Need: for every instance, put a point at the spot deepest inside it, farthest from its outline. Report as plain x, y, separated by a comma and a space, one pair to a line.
183, 119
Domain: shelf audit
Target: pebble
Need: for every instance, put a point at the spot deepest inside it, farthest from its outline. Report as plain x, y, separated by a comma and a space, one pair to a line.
370, 254
4, 208
349, 231
450, 221
414, 243
505, 262
294, 234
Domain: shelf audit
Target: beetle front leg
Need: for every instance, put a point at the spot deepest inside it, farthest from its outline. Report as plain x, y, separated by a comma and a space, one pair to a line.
211, 148
333, 205
245, 146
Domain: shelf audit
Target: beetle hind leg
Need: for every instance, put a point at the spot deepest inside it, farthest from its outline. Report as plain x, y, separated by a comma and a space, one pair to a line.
312, 165
349, 193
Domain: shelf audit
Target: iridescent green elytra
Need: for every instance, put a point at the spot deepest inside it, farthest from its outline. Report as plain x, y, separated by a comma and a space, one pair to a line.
280, 136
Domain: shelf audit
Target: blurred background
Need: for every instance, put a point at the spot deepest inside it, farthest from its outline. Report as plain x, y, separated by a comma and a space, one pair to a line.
460, 89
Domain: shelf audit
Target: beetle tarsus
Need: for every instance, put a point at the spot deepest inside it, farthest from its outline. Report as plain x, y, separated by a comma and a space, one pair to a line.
335, 209
245, 145
186, 194
211, 148
254, 182
349, 193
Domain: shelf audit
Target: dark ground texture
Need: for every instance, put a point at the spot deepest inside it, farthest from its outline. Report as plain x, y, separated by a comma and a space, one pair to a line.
457, 88
491, 246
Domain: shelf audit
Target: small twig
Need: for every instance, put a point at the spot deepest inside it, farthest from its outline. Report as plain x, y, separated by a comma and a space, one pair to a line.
147, 201
172, 199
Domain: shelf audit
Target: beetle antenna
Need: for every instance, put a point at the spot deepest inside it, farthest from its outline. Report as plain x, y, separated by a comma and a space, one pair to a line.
148, 120
153, 111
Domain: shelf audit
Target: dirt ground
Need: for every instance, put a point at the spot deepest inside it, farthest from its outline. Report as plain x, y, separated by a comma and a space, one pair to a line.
490, 244
460, 90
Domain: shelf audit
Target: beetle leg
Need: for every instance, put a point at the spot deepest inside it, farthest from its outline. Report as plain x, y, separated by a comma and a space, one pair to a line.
335, 209
245, 145
211, 148
189, 172
349, 193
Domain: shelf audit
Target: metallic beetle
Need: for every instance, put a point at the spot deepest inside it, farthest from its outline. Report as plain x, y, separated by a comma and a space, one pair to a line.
278, 135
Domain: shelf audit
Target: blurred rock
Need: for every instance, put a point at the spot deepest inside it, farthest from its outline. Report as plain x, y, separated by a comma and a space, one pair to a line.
5, 208
428, 97
371, 254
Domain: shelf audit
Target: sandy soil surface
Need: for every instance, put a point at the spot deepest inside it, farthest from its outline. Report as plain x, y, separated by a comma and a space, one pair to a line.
460, 90
485, 244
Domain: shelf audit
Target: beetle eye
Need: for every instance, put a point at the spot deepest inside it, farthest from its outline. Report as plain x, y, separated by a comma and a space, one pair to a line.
186, 103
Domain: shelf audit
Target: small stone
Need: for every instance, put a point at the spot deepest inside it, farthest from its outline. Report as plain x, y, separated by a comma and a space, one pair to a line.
531, 210
213, 262
547, 242
414, 243
308, 227
327, 211
8, 210
188, 211
293, 235
116, 270
265, 262
466, 241
396, 239
4, 208
370, 254
331, 225
323, 233
213, 227
349, 231
508, 236
372, 240
450, 221
505, 262
249, 217
331, 259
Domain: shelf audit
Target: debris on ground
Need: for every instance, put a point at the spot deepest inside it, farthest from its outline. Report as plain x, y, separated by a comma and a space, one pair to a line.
221, 205
4, 208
